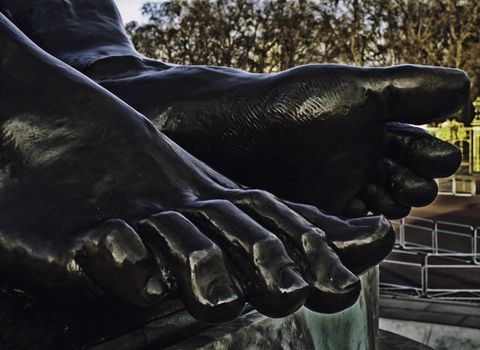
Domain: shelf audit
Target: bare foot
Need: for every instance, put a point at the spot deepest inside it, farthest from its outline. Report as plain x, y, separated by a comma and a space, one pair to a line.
97, 203
321, 134
326, 135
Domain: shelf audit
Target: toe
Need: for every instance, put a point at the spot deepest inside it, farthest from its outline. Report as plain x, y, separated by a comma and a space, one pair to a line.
208, 289
287, 286
115, 258
412, 190
330, 303
368, 241
360, 243
421, 152
335, 287
307, 244
275, 286
434, 158
380, 201
418, 94
406, 187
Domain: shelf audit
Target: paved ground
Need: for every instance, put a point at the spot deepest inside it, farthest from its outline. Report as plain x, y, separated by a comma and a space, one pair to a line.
392, 341
442, 325
460, 314
465, 210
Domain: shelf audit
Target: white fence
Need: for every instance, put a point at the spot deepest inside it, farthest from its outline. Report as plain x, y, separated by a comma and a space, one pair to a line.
433, 259
457, 185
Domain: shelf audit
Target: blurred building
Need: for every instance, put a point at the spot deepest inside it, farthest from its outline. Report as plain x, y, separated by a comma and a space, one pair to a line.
467, 138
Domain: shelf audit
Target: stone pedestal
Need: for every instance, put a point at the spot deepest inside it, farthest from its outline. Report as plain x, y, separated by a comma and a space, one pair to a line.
355, 328
32, 324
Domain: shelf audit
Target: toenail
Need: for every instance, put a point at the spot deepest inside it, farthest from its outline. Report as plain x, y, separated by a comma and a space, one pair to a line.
291, 281
155, 287
220, 293
344, 283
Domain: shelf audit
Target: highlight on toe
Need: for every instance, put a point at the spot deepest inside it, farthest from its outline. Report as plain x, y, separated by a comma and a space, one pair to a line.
207, 287
114, 257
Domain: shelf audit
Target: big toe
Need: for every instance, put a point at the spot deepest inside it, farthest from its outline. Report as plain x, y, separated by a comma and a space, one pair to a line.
419, 94
115, 258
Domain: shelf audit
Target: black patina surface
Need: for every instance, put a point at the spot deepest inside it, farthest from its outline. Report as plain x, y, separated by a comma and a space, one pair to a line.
98, 204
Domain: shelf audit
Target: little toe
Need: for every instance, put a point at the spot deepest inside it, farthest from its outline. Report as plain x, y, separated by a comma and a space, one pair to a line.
330, 303
115, 258
275, 286
208, 289
366, 244
360, 243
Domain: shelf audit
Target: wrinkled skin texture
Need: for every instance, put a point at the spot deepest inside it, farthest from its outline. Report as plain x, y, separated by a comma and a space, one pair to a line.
327, 135
97, 203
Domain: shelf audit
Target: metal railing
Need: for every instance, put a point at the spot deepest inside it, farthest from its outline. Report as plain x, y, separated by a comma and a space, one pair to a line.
419, 276
457, 185
433, 259
436, 236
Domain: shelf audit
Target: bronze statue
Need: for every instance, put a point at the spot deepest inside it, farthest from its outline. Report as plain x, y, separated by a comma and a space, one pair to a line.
327, 135
97, 203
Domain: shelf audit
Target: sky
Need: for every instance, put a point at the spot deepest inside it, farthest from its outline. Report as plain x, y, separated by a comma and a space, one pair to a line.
130, 10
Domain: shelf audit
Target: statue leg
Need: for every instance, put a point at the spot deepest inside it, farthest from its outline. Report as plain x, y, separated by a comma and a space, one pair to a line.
97, 203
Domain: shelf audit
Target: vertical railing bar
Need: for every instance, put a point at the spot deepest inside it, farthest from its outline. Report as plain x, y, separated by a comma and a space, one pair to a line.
424, 276
475, 246
402, 233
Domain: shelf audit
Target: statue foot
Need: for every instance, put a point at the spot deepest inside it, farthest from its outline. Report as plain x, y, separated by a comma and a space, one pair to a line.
318, 134
332, 136
97, 203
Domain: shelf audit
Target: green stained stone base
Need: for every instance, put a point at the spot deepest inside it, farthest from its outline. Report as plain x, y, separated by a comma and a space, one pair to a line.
353, 329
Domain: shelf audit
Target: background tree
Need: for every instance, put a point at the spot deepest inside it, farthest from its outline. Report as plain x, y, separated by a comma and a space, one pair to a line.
273, 35
433, 32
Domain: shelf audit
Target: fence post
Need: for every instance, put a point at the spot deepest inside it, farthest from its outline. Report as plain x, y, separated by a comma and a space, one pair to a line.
475, 246
402, 233
435, 237
424, 274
